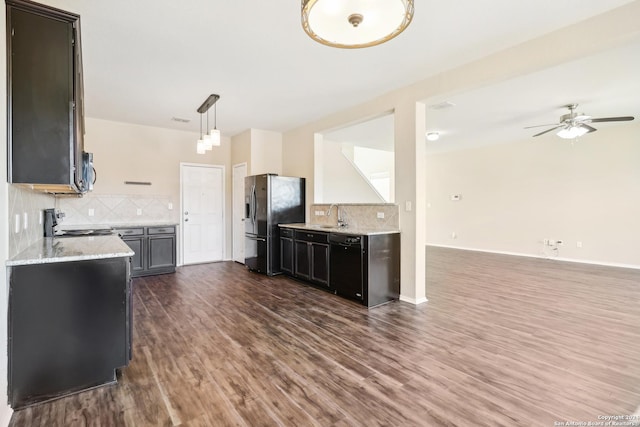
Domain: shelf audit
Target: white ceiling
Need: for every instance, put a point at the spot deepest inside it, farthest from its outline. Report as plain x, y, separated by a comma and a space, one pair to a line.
146, 61
604, 85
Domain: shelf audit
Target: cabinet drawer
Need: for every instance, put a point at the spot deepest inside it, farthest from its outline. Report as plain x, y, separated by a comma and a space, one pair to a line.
286, 232
310, 236
161, 230
130, 231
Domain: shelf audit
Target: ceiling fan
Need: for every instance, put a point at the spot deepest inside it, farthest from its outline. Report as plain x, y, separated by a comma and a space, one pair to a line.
573, 125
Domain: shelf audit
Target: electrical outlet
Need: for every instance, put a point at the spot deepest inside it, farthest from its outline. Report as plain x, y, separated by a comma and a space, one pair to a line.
380, 215
25, 220
319, 213
16, 223
40, 215
91, 212
170, 206
578, 244
138, 211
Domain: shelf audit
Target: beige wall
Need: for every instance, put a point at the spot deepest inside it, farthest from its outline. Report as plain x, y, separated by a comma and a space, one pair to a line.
241, 149
516, 195
261, 150
587, 37
266, 152
341, 182
128, 152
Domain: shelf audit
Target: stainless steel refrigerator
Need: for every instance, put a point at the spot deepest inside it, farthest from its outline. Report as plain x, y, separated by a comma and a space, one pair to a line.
270, 200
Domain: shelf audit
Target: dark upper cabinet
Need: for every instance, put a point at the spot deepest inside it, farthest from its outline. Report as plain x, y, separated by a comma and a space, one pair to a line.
45, 98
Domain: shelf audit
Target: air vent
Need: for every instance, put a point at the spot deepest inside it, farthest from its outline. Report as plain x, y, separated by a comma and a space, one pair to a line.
179, 120
442, 105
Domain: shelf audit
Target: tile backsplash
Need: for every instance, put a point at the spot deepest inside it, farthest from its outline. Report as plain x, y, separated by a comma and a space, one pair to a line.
29, 204
358, 215
113, 209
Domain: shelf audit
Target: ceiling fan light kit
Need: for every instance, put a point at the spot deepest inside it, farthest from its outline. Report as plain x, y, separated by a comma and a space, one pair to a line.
573, 125
352, 24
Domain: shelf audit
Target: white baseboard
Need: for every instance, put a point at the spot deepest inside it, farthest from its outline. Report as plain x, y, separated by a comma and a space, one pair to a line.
579, 261
413, 300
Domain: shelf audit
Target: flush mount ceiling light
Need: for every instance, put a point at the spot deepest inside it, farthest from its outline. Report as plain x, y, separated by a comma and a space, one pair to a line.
352, 24
209, 140
433, 136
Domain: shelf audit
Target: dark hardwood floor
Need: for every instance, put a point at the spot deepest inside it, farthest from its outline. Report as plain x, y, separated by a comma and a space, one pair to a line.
503, 341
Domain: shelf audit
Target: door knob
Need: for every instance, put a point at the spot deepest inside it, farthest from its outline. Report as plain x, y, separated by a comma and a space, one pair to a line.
186, 220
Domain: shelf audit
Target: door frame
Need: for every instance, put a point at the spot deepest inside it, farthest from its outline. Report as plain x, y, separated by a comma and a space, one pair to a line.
233, 190
180, 257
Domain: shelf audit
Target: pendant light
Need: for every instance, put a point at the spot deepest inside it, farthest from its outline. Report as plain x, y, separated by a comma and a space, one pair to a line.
215, 133
208, 141
200, 146
354, 24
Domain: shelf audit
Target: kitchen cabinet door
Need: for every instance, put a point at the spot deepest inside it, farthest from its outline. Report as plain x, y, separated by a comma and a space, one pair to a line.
286, 255
45, 98
137, 245
301, 260
162, 252
319, 264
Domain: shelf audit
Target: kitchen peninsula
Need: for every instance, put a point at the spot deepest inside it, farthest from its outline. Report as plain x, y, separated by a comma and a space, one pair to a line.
70, 318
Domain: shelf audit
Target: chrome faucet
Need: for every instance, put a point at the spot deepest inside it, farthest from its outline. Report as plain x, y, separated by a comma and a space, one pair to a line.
341, 222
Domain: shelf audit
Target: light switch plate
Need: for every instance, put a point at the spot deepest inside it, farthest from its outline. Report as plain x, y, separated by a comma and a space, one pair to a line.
138, 211
25, 220
170, 206
407, 206
91, 212
16, 223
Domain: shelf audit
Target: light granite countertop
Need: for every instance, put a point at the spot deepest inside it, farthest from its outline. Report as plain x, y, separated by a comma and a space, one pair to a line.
358, 231
63, 227
64, 249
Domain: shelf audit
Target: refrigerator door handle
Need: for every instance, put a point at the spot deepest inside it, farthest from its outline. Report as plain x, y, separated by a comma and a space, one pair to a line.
258, 239
255, 204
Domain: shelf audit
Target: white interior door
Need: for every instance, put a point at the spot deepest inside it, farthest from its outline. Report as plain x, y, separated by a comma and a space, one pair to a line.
239, 173
202, 213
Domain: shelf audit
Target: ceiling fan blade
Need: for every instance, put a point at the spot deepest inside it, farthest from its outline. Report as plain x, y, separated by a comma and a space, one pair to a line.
589, 128
537, 126
612, 119
548, 130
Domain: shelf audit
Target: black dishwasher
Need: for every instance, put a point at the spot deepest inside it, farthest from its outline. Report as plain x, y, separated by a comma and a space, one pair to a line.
346, 261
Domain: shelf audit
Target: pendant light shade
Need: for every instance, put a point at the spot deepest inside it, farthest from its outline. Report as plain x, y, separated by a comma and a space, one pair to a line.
215, 137
355, 23
200, 147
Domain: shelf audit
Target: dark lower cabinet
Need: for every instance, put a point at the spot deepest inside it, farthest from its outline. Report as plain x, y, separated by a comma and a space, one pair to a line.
154, 249
364, 268
69, 327
287, 251
311, 258
137, 245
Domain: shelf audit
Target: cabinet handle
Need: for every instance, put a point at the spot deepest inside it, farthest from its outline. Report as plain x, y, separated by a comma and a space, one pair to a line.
162, 230
128, 232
